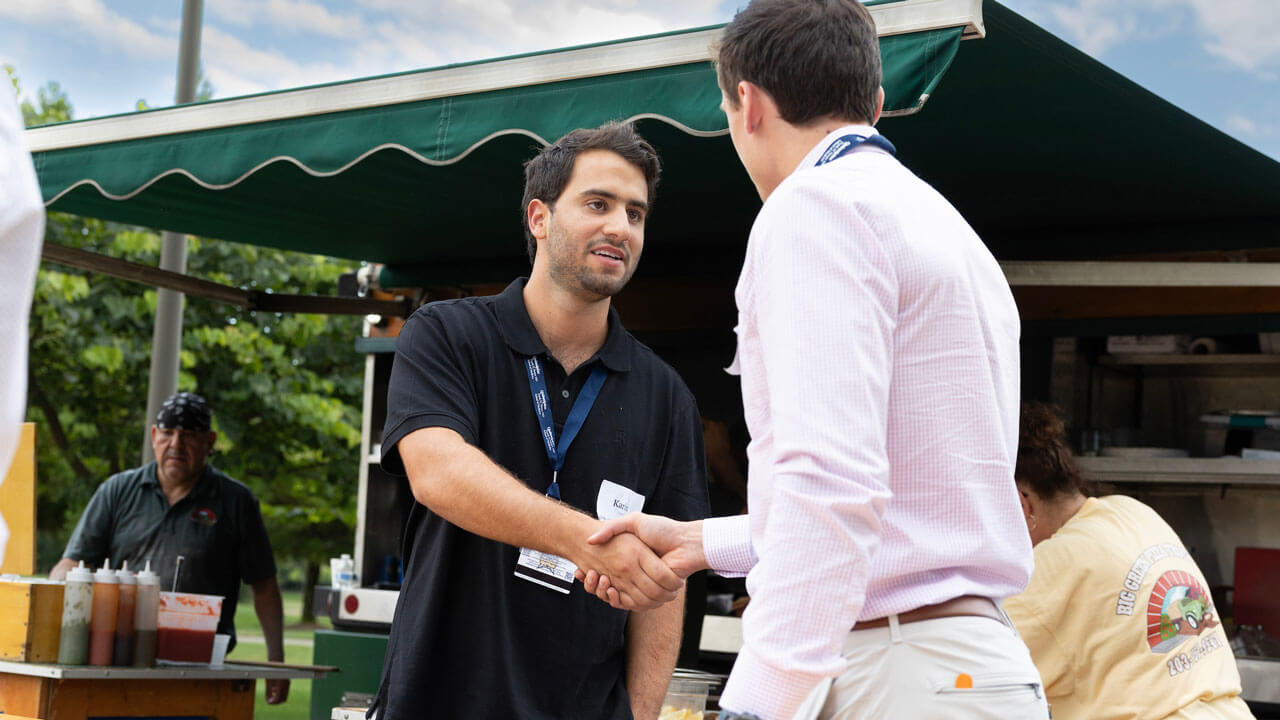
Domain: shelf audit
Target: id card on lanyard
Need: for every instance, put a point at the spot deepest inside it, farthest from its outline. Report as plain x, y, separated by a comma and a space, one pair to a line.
553, 571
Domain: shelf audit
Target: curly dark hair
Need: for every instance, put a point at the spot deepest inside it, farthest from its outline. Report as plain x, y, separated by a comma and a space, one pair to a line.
1045, 463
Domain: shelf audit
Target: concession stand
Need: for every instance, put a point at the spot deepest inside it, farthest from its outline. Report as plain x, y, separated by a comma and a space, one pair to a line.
40, 690
1113, 213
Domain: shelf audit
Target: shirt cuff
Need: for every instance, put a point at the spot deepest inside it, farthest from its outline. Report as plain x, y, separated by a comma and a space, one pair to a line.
759, 688
726, 543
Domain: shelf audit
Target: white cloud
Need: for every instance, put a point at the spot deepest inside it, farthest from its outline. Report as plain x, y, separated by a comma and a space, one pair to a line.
252, 46
1252, 128
1096, 26
1245, 33
383, 36
311, 17
1240, 124
91, 19
236, 68
471, 29
288, 17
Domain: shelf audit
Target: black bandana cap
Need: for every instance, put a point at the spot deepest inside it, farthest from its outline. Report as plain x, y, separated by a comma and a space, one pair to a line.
185, 411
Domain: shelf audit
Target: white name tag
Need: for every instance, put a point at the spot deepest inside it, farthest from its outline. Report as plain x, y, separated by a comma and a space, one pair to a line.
545, 569
615, 500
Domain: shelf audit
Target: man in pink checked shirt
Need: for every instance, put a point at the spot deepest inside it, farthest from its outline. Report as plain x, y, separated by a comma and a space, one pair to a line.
878, 349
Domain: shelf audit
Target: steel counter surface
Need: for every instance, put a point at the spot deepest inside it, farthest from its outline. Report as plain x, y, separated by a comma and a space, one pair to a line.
1259, 678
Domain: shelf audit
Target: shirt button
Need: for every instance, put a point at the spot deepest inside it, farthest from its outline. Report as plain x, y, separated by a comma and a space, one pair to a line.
564, 394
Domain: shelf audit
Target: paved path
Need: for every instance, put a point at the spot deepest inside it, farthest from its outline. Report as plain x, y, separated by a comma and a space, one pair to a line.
299, 642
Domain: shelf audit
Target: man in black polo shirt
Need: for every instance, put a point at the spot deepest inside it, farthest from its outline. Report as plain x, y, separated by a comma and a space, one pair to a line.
520, 419
181, 505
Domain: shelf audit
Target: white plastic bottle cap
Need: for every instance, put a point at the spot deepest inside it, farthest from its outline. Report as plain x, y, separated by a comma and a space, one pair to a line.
147, 577
105, 574
80, 574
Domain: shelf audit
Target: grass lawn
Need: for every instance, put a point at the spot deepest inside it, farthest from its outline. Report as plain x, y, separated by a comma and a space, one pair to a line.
298, 706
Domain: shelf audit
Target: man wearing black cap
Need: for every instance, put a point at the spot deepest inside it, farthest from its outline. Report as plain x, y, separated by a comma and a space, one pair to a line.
181, 506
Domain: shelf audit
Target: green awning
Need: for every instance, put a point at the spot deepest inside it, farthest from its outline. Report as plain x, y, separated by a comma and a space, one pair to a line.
431, 181
1047, 152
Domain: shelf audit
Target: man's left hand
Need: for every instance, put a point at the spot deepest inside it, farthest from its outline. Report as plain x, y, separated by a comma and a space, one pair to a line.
277, 691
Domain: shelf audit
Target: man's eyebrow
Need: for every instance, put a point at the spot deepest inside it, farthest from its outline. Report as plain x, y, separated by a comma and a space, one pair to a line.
639, 204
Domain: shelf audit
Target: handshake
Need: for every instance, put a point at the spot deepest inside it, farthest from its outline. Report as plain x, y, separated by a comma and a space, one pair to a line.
639, 562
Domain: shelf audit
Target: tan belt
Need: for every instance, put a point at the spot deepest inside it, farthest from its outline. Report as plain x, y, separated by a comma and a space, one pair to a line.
965, 605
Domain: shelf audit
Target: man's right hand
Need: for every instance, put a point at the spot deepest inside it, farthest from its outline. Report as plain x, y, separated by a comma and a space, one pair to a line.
59, 571
639, 578
678, 543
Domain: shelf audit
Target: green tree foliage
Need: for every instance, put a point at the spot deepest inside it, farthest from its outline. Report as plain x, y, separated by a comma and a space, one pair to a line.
285, 389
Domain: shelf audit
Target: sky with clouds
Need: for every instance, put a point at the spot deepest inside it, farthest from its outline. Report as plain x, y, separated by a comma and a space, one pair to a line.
1217, 59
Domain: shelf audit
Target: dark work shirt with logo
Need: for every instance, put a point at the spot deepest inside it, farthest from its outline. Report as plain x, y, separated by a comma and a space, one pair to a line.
217, 529
469, 638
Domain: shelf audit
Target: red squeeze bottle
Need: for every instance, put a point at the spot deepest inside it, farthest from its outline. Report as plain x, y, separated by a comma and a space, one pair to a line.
123, 652
102, 627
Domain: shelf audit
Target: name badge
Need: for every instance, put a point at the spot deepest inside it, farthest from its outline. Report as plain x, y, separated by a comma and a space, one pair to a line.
615, 500
545, 569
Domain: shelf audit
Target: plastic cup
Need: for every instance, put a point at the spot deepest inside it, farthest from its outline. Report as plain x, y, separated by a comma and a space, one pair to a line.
186, 626
220, 642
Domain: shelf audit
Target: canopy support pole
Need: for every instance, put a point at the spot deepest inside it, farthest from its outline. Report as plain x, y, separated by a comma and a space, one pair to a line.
257, 300
166, 341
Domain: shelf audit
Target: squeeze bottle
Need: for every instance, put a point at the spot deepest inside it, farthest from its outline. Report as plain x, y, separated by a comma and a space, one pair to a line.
122, 654
146, 612
77, 605
102, 628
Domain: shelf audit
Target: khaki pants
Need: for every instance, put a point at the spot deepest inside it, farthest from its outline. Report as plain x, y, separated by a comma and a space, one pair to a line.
910, 672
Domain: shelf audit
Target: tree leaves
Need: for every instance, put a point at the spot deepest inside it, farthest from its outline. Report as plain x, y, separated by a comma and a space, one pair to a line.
285, 389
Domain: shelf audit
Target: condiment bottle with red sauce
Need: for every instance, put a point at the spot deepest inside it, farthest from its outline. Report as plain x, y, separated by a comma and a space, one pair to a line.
102, 628
122, 654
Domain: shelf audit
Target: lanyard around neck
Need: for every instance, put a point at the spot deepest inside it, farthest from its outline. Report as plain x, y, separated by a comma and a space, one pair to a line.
845, 144
556, 451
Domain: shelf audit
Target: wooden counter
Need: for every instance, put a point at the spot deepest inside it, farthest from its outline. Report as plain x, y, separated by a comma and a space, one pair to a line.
65, 692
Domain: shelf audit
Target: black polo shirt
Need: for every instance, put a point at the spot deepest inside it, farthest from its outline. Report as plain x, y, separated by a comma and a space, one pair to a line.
471, 640
217, 528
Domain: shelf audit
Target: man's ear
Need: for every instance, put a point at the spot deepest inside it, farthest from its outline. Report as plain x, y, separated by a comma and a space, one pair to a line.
755, 104
538, 215
879, 106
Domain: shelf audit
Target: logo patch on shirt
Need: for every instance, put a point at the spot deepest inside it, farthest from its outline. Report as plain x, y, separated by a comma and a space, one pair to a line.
1179, 609
204, 516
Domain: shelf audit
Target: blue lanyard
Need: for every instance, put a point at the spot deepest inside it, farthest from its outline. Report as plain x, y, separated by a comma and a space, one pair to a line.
845, 144
556, 451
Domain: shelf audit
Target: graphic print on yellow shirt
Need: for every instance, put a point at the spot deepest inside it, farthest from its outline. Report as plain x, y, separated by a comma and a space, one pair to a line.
1178, 609
1120, 623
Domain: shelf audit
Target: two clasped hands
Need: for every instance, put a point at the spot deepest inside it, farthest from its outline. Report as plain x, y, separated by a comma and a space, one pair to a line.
647, 583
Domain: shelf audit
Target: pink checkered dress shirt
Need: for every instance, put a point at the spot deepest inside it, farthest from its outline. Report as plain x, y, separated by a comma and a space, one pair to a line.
878, 348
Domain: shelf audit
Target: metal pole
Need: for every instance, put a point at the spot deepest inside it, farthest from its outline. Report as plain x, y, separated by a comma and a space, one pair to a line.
166, 341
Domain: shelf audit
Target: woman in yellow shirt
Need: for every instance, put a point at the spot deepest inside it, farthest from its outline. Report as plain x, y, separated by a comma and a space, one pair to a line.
1117, 616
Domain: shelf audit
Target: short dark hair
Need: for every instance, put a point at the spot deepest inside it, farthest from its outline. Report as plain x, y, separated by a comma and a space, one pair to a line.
815, 58
1045, 463
547, 174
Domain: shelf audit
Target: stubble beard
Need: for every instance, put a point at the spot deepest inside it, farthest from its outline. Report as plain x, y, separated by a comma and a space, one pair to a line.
569, 271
